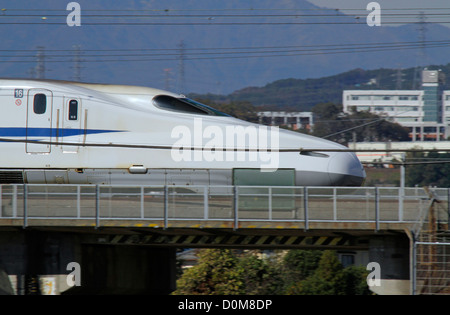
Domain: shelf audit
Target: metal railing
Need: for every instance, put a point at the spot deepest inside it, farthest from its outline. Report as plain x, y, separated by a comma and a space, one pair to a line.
217, 203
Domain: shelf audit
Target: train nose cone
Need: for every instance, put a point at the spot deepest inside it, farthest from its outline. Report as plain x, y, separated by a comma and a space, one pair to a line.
345, 169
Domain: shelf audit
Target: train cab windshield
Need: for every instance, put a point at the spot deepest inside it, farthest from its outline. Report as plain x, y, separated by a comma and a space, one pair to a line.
185, 105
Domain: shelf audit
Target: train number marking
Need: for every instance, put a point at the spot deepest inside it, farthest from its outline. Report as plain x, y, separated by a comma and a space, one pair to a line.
18, 93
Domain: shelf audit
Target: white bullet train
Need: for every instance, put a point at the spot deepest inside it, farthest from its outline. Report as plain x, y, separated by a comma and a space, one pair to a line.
59, 132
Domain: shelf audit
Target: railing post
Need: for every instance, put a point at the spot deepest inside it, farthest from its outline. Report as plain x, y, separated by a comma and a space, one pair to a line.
142, 202
334, 204
14, 202
305, 206
78, 201
166, 207
377, 209
205, 202
448, 207
413, 264
270, 203
235, 207
97, 206
401, 198
25, 206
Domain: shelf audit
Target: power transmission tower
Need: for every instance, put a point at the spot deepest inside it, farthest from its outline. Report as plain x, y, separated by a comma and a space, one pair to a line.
399, 79
77, 63
167, 78
40, 67
422, 54
181, 82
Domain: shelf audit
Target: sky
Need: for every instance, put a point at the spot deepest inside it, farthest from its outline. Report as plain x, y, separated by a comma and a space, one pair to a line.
389, 4
409, 6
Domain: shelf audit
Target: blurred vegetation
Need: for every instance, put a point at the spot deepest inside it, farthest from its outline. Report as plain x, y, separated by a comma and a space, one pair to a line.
295, 272
430, 174
239, 109
360, 126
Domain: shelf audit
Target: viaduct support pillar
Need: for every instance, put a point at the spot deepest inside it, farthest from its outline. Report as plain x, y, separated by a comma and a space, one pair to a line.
392, 253
37, 262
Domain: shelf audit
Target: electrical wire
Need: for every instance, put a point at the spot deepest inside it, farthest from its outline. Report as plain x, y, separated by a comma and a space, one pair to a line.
220, 55
115, 23
187, 54
425, 42
127, 14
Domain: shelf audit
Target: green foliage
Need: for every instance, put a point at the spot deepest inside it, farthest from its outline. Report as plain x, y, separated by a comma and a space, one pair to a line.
240, 109
300, 264
355, 281
331, 278
261, 276
428, 174
327, 279
302, 272
215, 274
359, 126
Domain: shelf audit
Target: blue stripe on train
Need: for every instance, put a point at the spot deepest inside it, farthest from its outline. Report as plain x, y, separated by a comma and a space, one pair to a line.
48, 132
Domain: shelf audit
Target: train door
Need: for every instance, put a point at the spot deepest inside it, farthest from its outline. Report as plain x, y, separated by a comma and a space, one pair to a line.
71, 131
39, 121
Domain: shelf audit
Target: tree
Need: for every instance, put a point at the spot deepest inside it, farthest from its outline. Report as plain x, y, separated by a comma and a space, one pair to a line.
222, 271
355, 281
215, 274
331, 278
261, 276
300, 264
327, 279
358, 125
428, 174
240, 109
327, 119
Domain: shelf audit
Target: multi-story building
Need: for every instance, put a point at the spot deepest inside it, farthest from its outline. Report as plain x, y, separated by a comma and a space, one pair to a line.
294, 120
425, 112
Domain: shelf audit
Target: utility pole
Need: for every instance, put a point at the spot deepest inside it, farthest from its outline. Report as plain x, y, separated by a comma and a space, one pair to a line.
417, 76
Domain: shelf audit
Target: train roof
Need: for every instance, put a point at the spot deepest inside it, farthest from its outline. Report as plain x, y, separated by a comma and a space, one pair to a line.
114, 89
124, 89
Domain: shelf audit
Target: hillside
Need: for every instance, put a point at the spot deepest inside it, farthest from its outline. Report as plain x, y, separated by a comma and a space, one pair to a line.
303, 94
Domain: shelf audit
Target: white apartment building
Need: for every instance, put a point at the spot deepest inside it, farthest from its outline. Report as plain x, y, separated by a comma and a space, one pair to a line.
425, 112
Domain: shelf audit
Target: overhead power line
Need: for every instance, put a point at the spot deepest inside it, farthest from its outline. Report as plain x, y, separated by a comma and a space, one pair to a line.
242, 47
169, 10
183, 53
152, 17
212, 23
58, 56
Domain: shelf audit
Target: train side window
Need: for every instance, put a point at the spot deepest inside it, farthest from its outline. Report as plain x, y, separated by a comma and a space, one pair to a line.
40, 104
185, 105
174, 104
73, 110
